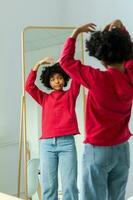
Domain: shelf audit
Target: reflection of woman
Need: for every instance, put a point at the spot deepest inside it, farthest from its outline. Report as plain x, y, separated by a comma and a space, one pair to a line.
59, 124
106, 154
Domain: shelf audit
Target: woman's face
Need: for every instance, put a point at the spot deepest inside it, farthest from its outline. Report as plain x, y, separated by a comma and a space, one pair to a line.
57, 81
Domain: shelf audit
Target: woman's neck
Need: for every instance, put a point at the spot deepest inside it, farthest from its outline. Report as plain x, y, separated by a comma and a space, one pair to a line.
118, 66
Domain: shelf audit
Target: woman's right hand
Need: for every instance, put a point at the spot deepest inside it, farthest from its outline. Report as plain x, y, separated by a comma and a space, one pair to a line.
87, 28
48, 60
83, 29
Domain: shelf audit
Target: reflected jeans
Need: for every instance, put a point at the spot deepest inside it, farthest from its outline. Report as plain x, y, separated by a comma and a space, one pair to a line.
59, 152
105, 172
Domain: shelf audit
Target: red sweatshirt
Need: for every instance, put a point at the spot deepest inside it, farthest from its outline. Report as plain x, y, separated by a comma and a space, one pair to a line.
109, 101
58, 108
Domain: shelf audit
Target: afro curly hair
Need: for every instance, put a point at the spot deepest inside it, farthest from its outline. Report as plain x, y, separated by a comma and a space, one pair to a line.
114, 46
49, 71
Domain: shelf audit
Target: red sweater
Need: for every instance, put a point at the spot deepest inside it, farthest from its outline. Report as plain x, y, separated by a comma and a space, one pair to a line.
58, 108
109, 101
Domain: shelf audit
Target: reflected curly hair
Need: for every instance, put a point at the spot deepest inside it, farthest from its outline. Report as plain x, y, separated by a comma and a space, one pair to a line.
114, 46
48, 72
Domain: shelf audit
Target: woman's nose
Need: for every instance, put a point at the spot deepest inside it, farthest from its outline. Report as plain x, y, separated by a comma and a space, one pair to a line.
56, 80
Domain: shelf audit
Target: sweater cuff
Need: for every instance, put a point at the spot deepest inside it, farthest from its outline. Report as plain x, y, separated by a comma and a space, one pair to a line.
72, 40
33, 71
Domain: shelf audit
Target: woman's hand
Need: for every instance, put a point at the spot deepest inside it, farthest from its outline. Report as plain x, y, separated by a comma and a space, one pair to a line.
48, 60
83, 29
115, 24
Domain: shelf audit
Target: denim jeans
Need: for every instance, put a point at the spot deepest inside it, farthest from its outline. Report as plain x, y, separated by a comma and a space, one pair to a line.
105, 172
59, 153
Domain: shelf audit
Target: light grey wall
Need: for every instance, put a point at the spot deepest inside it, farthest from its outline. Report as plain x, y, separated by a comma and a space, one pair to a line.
14, 16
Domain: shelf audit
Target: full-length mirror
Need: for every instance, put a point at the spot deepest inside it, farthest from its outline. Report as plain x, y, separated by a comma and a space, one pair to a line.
38, 43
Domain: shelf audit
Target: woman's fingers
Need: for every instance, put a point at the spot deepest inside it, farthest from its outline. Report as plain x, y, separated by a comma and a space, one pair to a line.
47, 60
106, 28
88, 27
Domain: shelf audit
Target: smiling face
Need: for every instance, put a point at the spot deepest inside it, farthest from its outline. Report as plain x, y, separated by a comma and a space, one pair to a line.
57, 81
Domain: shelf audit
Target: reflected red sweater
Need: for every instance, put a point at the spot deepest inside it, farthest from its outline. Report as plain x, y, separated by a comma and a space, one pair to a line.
58, 108
109, 101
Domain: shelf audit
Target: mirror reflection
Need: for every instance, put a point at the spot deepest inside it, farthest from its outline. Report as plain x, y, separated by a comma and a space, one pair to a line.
39, 43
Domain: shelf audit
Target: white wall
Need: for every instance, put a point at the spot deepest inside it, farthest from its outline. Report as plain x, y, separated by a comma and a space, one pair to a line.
14, 16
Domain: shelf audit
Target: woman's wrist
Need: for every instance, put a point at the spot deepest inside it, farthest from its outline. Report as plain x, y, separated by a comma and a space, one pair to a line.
75, 33
36, 66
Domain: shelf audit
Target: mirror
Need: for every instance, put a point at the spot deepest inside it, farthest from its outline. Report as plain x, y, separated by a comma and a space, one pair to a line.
38, 43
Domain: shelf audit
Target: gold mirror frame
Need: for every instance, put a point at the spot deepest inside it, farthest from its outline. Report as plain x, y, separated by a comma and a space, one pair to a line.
23, 133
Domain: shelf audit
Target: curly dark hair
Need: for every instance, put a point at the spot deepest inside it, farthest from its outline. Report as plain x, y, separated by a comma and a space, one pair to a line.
114, 46
48, 72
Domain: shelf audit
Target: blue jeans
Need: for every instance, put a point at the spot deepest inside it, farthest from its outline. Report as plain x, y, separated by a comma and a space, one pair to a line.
105, 172
59, 153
